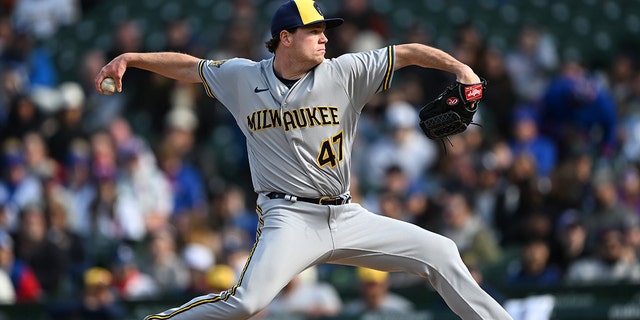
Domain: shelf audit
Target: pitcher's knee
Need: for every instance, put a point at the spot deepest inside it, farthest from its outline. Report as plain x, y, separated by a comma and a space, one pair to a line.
449, 247
248, 307
442, 252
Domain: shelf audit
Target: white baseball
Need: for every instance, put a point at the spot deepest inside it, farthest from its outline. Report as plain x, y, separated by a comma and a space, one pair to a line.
108, 86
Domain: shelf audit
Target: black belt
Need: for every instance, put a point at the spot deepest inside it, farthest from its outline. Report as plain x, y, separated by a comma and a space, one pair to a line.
333, 201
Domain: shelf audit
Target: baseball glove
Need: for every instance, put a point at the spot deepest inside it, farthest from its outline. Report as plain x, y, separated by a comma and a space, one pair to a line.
452, 111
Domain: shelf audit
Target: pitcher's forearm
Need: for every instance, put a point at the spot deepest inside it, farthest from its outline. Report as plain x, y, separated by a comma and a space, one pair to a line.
174, 65
430, 57
178, 66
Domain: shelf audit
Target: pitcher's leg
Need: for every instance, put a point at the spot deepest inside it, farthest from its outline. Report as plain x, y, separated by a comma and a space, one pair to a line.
283, 249
383, 243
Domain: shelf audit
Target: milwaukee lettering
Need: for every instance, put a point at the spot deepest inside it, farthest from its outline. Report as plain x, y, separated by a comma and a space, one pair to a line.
293, 119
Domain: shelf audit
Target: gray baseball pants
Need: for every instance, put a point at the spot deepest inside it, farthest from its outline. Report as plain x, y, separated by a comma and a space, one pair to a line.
294, 236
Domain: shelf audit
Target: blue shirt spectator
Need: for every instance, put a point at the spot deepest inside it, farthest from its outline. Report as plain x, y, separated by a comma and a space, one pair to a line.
188, 187
533, 267
187, 182
574, 106
528, 140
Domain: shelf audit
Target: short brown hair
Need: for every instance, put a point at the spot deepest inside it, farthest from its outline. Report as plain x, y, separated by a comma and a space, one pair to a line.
272, 44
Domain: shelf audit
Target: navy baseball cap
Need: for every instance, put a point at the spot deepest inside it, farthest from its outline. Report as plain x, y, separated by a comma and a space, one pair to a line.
297, 13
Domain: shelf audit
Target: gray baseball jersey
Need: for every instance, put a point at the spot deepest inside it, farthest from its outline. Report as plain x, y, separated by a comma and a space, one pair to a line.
299, 143
299, 139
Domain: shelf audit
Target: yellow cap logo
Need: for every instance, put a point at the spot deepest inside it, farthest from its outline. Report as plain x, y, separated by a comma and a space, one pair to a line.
309, 11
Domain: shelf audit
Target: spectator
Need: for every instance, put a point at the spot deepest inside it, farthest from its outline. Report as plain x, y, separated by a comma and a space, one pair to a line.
306, 296
522, 196
531, 62
164, 264
7, 32
468, 45
220, 277
620, 75
375, 297
37, 158
103, 150
613, 262
364, 16
391, 204
236, 257
143, 189
187, 186
234, 217
108, 222
7, 291
45, 257
179, 131
570, 240
199, 259
42, 18
125, 140
475, 240
4, 219
528, 140
24, 116
533, 268
497, 104
360, 17
629, 115
573, 105
70, 245
239, 41
406, 146
535, 225
181, 37
18, 185
399, 197
629, 188
457, 169
488, 194
571, 182
98, 299
69, 124
80, 187
609, 210
631, 233
26, 286
32, 64
130, 282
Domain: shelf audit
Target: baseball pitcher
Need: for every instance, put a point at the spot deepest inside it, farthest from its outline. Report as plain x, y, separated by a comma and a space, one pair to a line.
299, 112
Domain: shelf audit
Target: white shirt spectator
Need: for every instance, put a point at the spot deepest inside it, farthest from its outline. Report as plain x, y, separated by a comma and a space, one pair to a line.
42, 18
406, 146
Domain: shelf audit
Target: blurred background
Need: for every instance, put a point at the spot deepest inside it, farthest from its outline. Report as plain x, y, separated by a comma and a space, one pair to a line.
115, 207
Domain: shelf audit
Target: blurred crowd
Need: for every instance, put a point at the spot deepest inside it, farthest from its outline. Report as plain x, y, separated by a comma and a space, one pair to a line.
147, 194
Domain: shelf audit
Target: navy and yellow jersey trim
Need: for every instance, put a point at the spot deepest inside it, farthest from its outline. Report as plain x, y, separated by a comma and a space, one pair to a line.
225, 295
201, 65
388, 75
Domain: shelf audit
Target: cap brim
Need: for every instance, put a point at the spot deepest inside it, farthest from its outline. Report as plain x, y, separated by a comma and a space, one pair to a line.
330, 23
